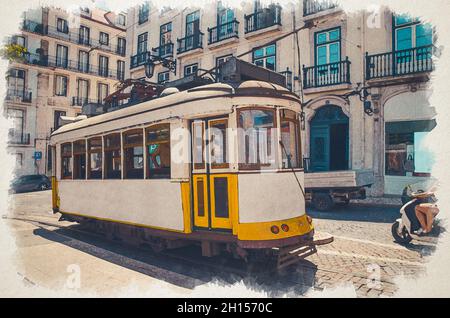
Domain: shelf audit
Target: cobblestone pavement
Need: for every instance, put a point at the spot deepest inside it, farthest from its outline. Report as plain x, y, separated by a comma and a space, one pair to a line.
363, 254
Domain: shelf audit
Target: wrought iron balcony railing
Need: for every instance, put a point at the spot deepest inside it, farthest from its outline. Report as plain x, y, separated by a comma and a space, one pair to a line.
327, 74
190, 42
63, 63
18, 138
139, 59
288, 75
24, 95
73, 37
33, 26
263, 18
398, 63
314, 6
81, 101
223, 31
165, 50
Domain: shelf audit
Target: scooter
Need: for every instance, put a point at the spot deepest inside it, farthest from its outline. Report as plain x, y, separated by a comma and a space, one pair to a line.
403, 230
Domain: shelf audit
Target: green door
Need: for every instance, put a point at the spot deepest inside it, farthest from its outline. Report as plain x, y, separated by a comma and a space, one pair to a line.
320, 148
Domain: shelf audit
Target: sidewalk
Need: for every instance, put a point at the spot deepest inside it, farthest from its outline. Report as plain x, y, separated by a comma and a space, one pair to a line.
381, 201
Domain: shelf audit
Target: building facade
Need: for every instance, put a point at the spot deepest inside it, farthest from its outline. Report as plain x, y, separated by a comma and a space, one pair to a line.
386, 62
69, 59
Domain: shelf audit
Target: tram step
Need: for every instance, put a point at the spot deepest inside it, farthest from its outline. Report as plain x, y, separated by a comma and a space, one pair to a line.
293, 254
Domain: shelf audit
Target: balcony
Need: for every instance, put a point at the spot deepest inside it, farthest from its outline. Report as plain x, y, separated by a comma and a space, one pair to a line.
164, 51
311, 7
263, 19
19, 94
139, 59
33, 26
223, 32
399, 63
327, 74
190, 42
73, 37
18, 138
63, 63
81, 101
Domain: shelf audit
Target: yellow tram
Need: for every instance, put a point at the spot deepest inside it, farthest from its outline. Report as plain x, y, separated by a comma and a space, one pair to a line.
215, 165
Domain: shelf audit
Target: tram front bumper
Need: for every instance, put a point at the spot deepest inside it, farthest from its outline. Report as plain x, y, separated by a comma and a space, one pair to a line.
276, 234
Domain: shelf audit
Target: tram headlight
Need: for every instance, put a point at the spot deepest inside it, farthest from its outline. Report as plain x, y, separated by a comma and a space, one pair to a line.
309, 219
275, 229
285, 227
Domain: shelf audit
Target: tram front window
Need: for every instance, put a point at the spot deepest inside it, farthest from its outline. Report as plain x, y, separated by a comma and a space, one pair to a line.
134, 154
158, 152
112, 157
256, 139
79, 159
290, 138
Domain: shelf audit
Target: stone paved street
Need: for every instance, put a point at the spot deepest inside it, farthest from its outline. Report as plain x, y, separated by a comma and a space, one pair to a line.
363, 249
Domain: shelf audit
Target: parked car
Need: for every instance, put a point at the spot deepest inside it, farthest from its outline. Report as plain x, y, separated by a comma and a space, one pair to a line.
31, 183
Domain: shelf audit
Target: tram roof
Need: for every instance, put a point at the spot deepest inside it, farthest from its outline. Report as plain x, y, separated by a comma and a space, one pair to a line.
247, 88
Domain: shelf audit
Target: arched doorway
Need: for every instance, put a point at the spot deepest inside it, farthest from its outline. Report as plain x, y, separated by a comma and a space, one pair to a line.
329, 140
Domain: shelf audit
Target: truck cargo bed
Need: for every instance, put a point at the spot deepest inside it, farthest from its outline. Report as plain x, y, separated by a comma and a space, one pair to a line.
339, 179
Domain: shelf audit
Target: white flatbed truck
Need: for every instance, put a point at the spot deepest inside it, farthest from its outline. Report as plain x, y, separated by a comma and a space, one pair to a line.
324, 189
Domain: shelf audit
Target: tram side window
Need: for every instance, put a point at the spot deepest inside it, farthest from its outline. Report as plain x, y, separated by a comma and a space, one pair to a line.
256, 139
79, 159
95, 158
133, 144
66, 161
290, 138
112, 157
158, 151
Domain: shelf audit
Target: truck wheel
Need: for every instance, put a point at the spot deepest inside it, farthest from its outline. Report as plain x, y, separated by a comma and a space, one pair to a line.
322, 201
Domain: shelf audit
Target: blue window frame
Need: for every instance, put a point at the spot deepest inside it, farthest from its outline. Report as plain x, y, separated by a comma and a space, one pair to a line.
266, 57
144, 12
328, 46
409, 33
163, 77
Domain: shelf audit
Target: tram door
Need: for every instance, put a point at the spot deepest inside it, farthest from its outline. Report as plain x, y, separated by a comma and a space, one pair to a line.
214, 189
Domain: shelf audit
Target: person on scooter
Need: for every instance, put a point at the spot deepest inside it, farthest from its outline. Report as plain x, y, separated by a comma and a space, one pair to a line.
426, 211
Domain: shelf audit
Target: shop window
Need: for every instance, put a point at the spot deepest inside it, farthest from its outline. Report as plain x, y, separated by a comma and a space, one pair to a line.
406, 151
95, 158
112, 157
134, 154
66, 161
158, 151
79, 159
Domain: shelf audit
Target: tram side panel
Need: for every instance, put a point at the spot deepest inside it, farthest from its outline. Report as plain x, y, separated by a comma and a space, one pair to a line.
148, 203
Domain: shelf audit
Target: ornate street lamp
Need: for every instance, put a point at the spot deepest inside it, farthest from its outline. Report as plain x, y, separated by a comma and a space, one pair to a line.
150, 65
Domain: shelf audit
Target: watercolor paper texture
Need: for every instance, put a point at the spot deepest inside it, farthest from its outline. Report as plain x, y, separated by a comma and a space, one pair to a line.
401, 137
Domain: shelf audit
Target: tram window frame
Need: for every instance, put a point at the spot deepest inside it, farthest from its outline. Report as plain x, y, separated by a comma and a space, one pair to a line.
290, 116
258, 165
225, 164
129, 152
115, 151
198, 165
79, 160
94, 149
66, 156
164, 172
